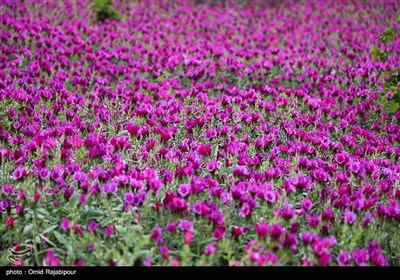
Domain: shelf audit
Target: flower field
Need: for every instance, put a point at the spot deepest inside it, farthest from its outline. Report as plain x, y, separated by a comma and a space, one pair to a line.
198, 133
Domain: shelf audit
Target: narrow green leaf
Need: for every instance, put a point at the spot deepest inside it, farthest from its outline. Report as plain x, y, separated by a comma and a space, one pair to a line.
49, 229
60, 238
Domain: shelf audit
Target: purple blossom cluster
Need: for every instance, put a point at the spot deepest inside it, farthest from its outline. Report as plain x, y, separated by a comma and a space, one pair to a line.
243, 132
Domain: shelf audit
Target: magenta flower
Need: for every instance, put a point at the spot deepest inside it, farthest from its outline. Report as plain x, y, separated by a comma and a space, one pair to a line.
65, 225
19, 173
306, 204
218, 233
276, 231
188, 236
344, 258
109, 231
164, 251
360, 257
185, 225
156, 236
44, 174
184, 190
349, 217
171, 227
147, 262
8, 190
129, 198
212, 166
261, 229
82, 199
110, 188
10, 222
51, 259
307, 237
92, 226
210, 249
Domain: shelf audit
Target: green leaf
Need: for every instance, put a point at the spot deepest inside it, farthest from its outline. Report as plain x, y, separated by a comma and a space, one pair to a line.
383, 100
387, 36
398, 18
49, 229
375, 51
28, 229
60, 238
73, 201
393, 106
383, 57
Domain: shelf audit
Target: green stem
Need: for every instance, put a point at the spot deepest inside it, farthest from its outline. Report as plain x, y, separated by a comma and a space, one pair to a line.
35, 249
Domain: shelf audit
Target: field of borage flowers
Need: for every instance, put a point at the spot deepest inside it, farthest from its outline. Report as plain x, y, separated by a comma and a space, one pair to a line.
192, 133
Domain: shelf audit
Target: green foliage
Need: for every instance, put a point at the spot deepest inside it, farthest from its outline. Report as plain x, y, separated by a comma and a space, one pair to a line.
105, 10
381, 55
387, 36
392, 77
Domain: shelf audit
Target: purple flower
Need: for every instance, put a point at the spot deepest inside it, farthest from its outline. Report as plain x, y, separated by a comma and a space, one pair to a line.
171, 227
320, 175
129, 198
19, 173
110, 188
210, 249
51, 259
218, 233
306, 204
354, 166
212, 166
270, 196
184, 190
307, 237
261, 229
109, 231
245, 211
44, 174
82, 199
360, 257
65, 225
91, 247
276, 231
8, 190
92, 226
349, 217
368, 219
156, 236
185, 225
164, 251
343, 258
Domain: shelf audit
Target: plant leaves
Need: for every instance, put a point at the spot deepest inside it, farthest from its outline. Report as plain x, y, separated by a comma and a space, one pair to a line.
28, 229
383, 100
73, 201
60, 238
383, 56
387, 36
393, 106
49, 229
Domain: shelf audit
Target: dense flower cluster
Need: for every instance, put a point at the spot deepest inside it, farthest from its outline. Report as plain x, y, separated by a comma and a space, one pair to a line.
190, 133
